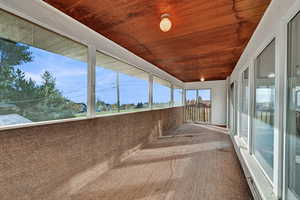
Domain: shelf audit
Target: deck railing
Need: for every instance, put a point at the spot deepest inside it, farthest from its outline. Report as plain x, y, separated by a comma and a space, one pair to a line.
197, 113
266, 116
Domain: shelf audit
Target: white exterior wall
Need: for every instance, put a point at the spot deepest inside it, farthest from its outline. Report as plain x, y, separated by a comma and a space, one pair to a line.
272, 26
219, 105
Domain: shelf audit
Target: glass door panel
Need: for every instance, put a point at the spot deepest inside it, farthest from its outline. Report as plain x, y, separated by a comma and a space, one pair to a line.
263, 123
204, 105
198, 106
189, 109
293, 112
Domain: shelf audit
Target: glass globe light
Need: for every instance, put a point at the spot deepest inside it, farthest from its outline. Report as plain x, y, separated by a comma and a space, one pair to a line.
165, 23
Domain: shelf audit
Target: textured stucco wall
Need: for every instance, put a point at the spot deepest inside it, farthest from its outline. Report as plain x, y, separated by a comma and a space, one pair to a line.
49, 161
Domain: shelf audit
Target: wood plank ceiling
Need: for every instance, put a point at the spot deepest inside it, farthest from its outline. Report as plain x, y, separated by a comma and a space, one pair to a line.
206, 40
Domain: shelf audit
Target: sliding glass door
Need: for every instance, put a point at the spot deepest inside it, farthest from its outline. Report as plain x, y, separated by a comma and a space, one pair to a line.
293, 112
198, 106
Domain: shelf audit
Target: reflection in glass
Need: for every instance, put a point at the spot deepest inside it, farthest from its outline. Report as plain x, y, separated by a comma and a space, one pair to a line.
263, 124
293, 112
244, 105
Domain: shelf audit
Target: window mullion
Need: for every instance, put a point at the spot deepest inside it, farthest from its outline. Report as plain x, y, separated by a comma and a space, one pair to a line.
91, 81
150, 91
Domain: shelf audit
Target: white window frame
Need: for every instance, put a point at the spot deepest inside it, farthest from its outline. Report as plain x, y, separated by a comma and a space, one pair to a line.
295, 9
173, 96
240, 92
92, 47
267, 188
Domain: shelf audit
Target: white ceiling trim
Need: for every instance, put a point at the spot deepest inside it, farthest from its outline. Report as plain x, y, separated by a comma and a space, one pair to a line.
205, 84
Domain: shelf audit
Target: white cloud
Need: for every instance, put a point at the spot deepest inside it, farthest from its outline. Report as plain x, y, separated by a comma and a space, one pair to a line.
35, 77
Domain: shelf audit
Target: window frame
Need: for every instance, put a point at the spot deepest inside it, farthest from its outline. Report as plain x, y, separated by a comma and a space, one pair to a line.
266, 45
91, 75
286, 194
171, 94
119, 85
211, 103
174, 87
266, 188
245, 142
60, 36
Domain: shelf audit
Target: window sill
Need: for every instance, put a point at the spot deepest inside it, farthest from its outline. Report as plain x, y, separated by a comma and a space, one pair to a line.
17, 126
253, 171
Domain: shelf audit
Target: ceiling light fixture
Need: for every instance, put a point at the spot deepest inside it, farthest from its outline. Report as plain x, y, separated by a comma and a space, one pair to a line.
165, 23
271, 75
202, 79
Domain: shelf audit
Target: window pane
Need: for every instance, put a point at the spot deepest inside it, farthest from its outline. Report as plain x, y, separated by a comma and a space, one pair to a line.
293, 111
134, 91
161, 93
38, 72
119, 86
204, 96
106, 91
263, 130
244, 105
191, 96
177, 96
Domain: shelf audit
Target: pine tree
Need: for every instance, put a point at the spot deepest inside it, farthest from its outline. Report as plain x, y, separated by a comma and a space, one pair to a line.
32, 101
11, 54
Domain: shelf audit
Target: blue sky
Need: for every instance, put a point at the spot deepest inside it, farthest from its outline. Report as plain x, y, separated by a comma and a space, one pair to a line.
71, 75
161, 94
132, 90
71, 80
204, 93
177, 95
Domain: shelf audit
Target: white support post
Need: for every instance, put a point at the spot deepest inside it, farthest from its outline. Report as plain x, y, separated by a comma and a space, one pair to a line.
184, 97
150, 91
251, 106
237, 109
172, 96
227, 102
238, 104
280, 103
91, 81
118, 90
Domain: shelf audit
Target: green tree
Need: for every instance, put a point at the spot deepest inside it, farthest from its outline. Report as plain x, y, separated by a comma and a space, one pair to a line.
25, 96
139, 105
11, 54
